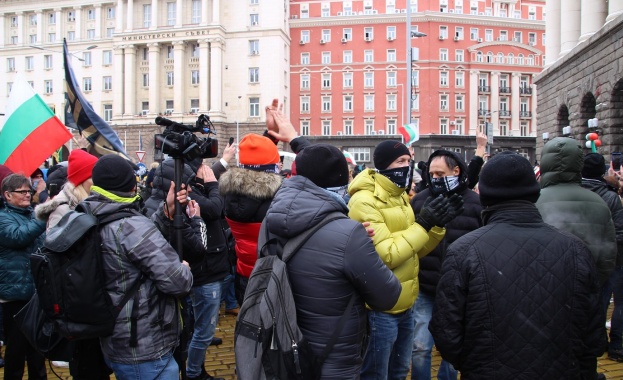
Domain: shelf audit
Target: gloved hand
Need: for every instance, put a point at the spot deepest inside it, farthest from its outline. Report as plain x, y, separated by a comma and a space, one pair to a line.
455, 208
433, 212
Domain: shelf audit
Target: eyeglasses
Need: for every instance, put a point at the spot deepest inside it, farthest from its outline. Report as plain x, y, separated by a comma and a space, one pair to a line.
23, 192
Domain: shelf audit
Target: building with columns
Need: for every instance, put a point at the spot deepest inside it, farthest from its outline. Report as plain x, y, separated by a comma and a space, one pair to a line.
583, 77
139, 59
475, 66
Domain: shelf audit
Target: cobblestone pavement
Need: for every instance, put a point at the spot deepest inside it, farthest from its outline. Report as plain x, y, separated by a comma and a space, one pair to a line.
220, 360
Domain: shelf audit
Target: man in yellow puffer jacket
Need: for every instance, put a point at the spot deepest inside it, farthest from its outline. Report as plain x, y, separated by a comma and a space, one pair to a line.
378, 196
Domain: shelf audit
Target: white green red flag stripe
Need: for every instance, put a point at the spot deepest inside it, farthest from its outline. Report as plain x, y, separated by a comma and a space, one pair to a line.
29, 131
410, 133
349, 157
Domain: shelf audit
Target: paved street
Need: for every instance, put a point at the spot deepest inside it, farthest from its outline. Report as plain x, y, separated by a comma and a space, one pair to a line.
220, 360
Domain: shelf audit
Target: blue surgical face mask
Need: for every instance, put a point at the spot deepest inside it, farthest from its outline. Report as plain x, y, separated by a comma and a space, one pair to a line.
444, 185
399, 176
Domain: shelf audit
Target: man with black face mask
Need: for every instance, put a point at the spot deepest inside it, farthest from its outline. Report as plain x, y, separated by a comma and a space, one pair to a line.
447, 176
379, 196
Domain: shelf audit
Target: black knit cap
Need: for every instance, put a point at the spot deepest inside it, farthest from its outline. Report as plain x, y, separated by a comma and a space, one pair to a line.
57, 175
324, 164
387, 152
114, 173
507, 176
594, 166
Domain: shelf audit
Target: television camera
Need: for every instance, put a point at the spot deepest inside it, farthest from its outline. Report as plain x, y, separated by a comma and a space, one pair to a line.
179, 140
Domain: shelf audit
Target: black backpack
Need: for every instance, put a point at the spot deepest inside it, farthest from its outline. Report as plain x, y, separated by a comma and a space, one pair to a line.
69, 278
267, 341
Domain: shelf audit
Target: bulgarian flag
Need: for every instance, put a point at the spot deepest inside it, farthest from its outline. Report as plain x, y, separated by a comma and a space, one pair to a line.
349, 158
410, 133
29, 132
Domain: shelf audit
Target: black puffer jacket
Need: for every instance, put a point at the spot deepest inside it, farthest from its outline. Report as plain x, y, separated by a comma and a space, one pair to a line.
519, 299
469, 220
600, 187
336, 261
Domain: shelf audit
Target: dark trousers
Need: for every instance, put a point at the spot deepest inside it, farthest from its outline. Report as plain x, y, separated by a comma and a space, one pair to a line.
18, 349
241, 283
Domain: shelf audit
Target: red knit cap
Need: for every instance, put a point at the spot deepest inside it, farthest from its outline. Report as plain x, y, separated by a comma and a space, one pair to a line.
257, 150
80, 166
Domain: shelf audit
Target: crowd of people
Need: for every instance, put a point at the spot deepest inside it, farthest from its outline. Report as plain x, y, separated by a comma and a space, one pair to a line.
508, 275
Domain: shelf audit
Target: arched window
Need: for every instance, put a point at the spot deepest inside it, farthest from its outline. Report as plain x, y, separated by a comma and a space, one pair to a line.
530, 60
500, 58
479, 56
520, 59
510, 59
489, 57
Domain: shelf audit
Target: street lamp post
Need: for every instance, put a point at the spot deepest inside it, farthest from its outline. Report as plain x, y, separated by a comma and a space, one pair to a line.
72, 54
410, 35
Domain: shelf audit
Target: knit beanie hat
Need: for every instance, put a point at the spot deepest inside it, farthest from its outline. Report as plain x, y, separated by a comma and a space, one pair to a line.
57, 175
80, 166
4, 172
594, 166
257, 150
507, 176
387, 152
114, 173
323, 164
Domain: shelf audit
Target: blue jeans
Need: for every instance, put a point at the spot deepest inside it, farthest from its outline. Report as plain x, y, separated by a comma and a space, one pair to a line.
228, 293
206, 301
614, 285
164, 368
423, 343
391, 342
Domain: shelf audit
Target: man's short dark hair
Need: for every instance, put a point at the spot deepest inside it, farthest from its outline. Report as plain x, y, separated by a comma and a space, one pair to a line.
450, 161
13, 182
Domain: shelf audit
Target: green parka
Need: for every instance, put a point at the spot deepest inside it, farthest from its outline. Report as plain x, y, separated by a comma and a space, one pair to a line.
399, 241
566, 205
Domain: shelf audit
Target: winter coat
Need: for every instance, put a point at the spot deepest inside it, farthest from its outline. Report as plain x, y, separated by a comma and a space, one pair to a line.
20, 235
399, 241
337, 261
519, 299
132, 247
569, 207
53, 209
247, 195
469, 220
601, 188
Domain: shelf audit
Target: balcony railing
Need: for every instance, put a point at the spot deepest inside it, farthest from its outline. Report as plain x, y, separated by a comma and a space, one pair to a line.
525, 114
525, 91
484, 88
505, 90
505, 113
483, 112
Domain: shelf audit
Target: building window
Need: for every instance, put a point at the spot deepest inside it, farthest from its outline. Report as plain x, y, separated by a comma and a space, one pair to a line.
305, 128
517, 37
304, 104
254, 47
391, 33
90, 34
145, 79
488, 35
503, 128
195, 50
71, 16
531, 39
503, 35
369, 128
90, 14
473, 34
415, 78
459, 103
443, 126
86, 56
326, 35
30, 63
348, 103
47, 85
146, 15
254, 107
144, 108
326, 104
107, 112
391, 127
443, 102
13, 40
304, 36
326, 81
415, 102
52, 37
71, 35
326, 57
10, 64
52, 18
33, 39
170, 78
391, 79
368, 55
194, 77
110, 32
254, 75
459, 55
348, 127
254, 19
14, 22
458, 33
347, 80
171, 11
361, 154
168, 107
107, 57
195, 7
305, 81
110, 13
368, 34
391, 102
368, 79
368, 104
443, 78
48, 62
443, 54
443, 32
326, 127
347, 34
33, 20
107, 83
391, 55
459, 79
523, 128
304, 58
86, 84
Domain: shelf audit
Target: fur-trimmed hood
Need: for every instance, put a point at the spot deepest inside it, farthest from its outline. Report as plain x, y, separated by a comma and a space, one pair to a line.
258, 185
65, 197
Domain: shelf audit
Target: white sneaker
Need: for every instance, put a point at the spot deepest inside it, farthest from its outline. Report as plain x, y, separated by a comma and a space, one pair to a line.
60, 364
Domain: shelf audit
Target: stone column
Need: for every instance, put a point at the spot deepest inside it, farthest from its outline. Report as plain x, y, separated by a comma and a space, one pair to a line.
120, 23
21, 27
154, 79
514, 104
473, 102
552, 31
59, 22
117, 104
594, 14
39, 27
78, 13
204, 74
495, 102
204, 15
130, 80
154, 16
216, 12
98, 21
216, 73
569, 25
130, 15
615, 8
179, 14
179, 63
2, 17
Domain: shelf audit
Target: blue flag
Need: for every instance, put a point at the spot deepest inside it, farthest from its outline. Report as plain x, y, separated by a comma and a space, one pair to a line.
79, 114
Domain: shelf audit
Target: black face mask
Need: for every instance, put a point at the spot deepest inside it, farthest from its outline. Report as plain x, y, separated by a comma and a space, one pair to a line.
400, 176
444, 185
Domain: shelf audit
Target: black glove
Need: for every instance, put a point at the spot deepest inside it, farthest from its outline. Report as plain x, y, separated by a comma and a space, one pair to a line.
433, 212
455, 208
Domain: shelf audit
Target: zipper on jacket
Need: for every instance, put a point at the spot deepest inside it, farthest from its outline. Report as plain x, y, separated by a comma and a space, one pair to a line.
295, 349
